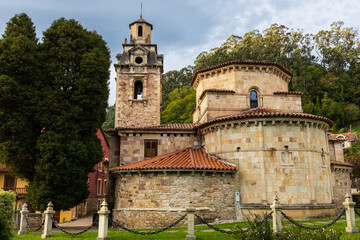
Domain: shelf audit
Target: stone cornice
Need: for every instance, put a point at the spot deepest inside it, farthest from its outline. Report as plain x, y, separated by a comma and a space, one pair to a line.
268, 67
264, 121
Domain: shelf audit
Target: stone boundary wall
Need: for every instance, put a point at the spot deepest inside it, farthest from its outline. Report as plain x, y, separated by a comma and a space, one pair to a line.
35, 219
341, 183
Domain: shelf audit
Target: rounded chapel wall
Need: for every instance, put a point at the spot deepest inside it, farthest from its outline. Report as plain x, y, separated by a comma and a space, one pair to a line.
299, 174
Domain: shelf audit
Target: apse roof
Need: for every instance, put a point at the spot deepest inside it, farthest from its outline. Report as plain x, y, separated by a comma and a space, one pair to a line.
186, 159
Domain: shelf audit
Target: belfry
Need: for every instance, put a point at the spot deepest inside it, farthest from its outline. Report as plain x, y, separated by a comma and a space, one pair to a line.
138, 79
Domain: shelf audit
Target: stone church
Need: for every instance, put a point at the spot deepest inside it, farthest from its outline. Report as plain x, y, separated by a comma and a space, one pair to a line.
249, 140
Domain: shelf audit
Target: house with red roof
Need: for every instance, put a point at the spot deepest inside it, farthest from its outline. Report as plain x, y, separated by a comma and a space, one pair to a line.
248, 142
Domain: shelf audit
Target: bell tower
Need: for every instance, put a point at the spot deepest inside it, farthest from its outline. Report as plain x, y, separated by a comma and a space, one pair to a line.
138, 79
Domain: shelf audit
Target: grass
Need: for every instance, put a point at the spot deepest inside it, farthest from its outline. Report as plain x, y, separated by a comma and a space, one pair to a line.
182, 232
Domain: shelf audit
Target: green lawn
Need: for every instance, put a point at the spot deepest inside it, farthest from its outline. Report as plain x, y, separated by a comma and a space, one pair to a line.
181, 232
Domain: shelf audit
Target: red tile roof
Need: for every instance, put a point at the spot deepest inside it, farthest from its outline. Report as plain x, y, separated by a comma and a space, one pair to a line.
3, 169
349, 136
265, 112
216, 91
289, 93
163, 127
332, 162
243, 63
186, 159
333, 138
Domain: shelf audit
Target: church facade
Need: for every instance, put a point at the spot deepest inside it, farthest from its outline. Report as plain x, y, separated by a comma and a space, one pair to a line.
248, 142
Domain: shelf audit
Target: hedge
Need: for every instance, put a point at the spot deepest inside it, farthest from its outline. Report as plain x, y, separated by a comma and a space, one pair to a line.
7, 200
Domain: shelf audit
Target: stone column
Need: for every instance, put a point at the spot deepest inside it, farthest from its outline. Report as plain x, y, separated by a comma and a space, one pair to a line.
350, 215
23, 213
49, 213
103, 222
17, 217
276, 208
190, 214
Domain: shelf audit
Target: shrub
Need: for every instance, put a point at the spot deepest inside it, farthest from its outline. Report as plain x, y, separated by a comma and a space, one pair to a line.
7, 199
261, 229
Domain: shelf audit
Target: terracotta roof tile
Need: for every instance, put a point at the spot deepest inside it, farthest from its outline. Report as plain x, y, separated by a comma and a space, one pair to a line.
333, 138
243, 63
216, 91
332, 162
289, 93
186, 159
164, 127
349, 136
265, 112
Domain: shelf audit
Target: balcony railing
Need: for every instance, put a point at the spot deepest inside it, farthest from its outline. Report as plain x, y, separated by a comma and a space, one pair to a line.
19, 191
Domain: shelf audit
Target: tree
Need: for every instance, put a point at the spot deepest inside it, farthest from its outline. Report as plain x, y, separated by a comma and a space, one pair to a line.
110, 118
60, 88
175, 79
20, 77
181, 102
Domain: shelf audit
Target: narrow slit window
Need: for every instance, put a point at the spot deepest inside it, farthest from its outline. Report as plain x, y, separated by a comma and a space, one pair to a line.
253, 99
140, 31
138, 90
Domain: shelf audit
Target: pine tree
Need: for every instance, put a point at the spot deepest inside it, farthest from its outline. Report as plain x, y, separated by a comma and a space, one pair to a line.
75, 96
19, 78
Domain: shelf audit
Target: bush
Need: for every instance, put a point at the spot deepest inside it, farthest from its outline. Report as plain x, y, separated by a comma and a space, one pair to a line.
7, 199
261, 229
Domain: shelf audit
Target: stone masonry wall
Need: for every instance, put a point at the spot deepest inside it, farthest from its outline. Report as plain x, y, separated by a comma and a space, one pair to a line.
300, 176
242, 82
138, 112
215, 105
341, 183
132, 147
156, 199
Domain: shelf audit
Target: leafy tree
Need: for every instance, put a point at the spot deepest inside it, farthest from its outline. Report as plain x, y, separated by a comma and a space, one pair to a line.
110, 118
182, 101
175, 79
53, 98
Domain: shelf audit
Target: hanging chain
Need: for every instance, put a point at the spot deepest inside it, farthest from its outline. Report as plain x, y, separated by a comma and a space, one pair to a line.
357, 212
148, 233
32, 229
312, 228
78, 233
231, 232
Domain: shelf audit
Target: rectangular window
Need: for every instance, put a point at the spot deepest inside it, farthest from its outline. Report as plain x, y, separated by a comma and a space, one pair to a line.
99, 186
100, 166
9, 183
104, 187
150, 148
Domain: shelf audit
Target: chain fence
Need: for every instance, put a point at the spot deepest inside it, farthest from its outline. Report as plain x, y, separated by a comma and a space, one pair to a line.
147, 233
33, 229
231, 232
77, 233
312, 228
357, 213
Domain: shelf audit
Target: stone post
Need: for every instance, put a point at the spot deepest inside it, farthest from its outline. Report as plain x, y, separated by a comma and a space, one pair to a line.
103, 222
190, 214
350, 215
23, 213
49, 213
17, 217
276, 216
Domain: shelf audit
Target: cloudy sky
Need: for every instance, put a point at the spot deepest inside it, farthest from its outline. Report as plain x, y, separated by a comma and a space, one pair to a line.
183, 29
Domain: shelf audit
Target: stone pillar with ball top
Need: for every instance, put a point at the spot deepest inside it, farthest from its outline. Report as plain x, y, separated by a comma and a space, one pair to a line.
49, 213
103, 222
350, 214
276, 208
23, 214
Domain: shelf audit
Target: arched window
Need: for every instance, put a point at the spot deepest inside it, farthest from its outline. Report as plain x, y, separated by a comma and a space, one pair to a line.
253, 99
140, 31
138, 90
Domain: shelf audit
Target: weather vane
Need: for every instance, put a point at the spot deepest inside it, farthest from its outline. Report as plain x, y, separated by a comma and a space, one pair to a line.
141, 10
